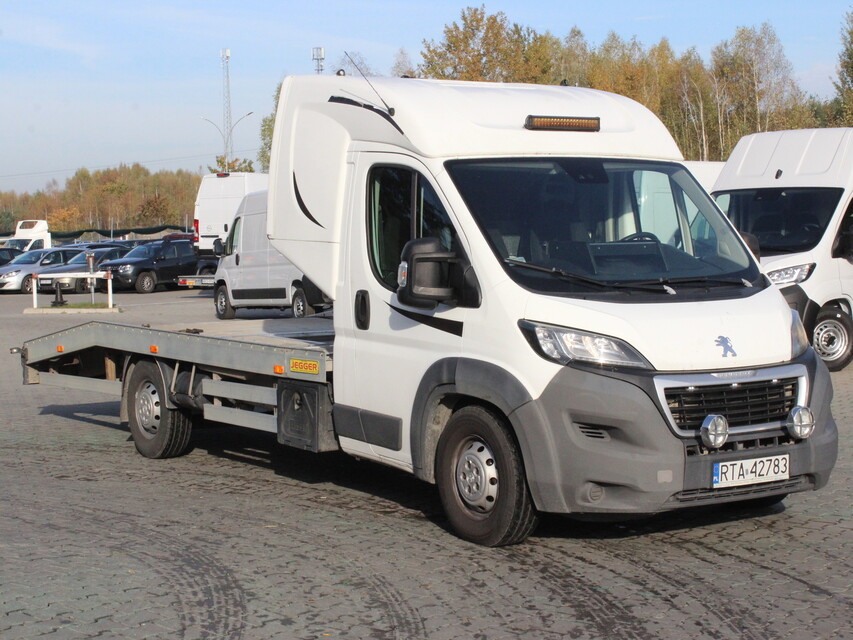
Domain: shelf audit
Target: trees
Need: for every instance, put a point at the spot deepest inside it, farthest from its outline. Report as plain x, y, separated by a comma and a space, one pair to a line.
234, 165
841, 107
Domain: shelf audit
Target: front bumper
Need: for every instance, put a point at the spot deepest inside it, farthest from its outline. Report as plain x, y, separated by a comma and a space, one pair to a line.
601, 442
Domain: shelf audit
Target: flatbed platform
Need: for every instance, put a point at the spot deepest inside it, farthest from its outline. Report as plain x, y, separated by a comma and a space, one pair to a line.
279, 347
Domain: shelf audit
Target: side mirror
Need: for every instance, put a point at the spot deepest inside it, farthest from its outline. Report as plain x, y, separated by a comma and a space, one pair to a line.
423, 275
218, 249
752, 243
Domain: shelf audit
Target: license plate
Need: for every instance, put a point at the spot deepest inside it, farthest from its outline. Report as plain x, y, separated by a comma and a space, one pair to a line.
753, 471
45, 282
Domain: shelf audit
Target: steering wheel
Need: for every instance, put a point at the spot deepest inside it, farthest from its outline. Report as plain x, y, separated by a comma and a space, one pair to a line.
642, 235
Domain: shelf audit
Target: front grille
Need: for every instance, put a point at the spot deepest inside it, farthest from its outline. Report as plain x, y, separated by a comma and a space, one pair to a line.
741, 403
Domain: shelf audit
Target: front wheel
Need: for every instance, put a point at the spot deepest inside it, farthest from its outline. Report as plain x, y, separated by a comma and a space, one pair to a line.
27, 284
481, 481
146, 282
224, 310
833, 338
301, 308
158, 431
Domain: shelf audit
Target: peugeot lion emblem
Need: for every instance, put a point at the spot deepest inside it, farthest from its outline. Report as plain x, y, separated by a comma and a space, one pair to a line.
726, 344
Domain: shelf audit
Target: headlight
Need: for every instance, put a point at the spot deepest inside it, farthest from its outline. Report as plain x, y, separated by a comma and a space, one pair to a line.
799, 338
791, 275
125, 268
564, 345
9, 274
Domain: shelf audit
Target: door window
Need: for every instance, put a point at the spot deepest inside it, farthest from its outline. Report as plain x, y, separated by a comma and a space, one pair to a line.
233, 240
402, 206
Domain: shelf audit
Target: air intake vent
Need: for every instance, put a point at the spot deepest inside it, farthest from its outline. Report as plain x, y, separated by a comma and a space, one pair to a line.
596, 433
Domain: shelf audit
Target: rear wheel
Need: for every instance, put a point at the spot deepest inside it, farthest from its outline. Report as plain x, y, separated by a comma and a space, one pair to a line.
833, 338
158, 432
224, 310
301, 308
146, 282
481, 481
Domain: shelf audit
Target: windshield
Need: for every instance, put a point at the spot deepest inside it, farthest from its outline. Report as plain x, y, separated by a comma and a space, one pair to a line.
80, 258
30, 257
143, 251
597, 223
782, 220
16, 243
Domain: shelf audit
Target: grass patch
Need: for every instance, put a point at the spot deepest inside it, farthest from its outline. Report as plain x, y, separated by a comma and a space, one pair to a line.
83, 305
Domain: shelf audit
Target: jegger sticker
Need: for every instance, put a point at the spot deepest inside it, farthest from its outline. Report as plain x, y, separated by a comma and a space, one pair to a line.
304, 366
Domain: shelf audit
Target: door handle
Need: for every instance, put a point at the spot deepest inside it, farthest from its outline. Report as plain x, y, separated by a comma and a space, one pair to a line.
362, 310
236, 258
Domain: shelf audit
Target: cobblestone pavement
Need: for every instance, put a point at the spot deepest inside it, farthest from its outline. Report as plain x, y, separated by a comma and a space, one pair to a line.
243, 539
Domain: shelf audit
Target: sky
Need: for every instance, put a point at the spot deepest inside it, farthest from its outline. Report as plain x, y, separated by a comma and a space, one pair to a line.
98, 83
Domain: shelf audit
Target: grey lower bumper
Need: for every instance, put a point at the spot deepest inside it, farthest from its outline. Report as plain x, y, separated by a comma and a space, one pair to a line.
599, 444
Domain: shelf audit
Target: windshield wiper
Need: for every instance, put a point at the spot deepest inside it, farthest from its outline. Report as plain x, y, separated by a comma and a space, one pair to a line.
650, 286
706, 280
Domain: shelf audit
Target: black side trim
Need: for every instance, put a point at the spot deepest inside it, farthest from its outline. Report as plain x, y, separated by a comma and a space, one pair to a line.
250, 294
367, 426
301, 203
449, 326
354, 103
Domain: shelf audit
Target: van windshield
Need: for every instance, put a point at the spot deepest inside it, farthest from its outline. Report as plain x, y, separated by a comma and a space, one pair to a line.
782, 220
602, 226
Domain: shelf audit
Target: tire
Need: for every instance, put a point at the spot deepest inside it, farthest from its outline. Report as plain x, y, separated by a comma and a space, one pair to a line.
833, 338
481, 481
223, 308
300, 306
158, 432
27, 284
146, 282
81, 285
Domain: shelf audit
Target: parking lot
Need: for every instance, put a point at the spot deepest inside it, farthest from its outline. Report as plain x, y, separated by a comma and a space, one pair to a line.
244, 539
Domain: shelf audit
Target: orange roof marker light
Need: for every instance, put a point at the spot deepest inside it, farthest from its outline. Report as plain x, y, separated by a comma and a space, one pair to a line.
562, 123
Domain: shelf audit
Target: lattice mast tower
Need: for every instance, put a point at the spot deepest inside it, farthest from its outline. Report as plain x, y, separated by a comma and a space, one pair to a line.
225, 56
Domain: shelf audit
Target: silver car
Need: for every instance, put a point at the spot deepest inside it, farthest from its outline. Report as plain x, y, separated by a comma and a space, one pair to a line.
17, 275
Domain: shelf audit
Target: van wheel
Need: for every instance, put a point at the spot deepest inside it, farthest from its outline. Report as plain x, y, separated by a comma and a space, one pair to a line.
833, 338
224, 310
301, 308
481, 481
158, 432
145, 283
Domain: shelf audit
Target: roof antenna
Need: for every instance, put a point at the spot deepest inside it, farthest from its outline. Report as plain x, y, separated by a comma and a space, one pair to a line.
357, 68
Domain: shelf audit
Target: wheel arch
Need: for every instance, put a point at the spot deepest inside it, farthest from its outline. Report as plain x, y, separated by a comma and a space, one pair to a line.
453, 383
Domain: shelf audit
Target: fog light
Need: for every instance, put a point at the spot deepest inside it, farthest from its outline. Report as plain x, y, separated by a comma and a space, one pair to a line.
714, 431
800, 422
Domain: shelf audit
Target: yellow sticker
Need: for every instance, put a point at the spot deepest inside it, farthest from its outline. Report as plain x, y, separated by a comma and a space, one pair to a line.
304, 366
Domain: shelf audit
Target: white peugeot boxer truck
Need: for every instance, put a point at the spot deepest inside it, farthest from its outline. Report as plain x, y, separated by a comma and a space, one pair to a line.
537, 308
793, 191
573, 327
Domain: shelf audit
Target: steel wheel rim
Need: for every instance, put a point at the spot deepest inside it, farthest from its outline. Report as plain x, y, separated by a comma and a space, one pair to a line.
830, 340
147, 409
477, 476
220, 303
298, 307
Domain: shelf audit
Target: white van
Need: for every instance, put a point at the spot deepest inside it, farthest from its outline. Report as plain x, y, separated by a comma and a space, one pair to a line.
30, 235
218, 197
251, 273
793, 191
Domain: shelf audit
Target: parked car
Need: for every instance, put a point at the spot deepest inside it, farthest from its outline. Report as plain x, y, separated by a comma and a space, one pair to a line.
17, 275
7, 254
77, 264
146, 266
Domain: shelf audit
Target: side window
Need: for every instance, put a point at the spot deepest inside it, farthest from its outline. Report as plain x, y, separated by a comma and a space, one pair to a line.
402, 205
38, 244
185, 250
233, 240
171, 252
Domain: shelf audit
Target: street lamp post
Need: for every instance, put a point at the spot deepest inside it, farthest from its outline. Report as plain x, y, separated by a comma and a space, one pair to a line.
226, 139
